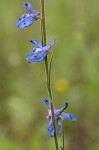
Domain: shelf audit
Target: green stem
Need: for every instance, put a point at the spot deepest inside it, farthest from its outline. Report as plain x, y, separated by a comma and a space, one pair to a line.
48, 70
63, 136
63, 146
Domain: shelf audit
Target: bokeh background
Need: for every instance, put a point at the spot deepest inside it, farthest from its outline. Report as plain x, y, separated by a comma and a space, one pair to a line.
75, 75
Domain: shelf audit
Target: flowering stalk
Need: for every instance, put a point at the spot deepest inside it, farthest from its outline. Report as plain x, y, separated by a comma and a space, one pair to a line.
48, 70
38, 54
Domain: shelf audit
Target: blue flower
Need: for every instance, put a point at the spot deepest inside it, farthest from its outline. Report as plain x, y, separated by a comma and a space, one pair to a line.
27, 19
59, 117
39, 52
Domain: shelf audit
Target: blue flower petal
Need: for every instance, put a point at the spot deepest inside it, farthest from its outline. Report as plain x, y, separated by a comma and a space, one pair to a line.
36, 56
58, 112
28, 6
51, 128
36, 43
69, 116
48, 47
23, 16
25, 22
47, 102
36, 14
60, 123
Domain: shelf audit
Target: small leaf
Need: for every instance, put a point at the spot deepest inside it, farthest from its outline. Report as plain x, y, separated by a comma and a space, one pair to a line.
61, 147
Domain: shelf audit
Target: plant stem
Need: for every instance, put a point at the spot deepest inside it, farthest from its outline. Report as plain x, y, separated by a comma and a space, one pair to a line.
63, 136
63, 146
48, 70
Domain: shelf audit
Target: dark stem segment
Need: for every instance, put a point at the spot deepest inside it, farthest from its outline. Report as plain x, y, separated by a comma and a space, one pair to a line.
48, 70
63, 136
43, 22
63, 146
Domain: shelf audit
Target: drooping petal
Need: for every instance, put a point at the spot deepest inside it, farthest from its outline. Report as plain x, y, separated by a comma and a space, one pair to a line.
51, 128
47, 102
57, 112
69, 116
36, 43
48, 47
36, 56
29, 57
28, 6
59, 122
25, 22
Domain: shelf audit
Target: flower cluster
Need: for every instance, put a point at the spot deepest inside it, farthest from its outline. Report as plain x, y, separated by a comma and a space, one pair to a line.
59, 117
38, 54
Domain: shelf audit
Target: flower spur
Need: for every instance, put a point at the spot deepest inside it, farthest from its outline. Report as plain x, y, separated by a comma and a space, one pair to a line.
27, 20
59, 117
39, 52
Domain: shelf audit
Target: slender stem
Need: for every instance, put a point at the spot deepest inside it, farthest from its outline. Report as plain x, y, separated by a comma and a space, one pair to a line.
43, 22
49, 77
63, 146
48, 70
42, 32
63, 136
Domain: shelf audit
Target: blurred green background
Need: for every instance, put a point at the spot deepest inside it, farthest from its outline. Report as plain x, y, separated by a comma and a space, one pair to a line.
75, 75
